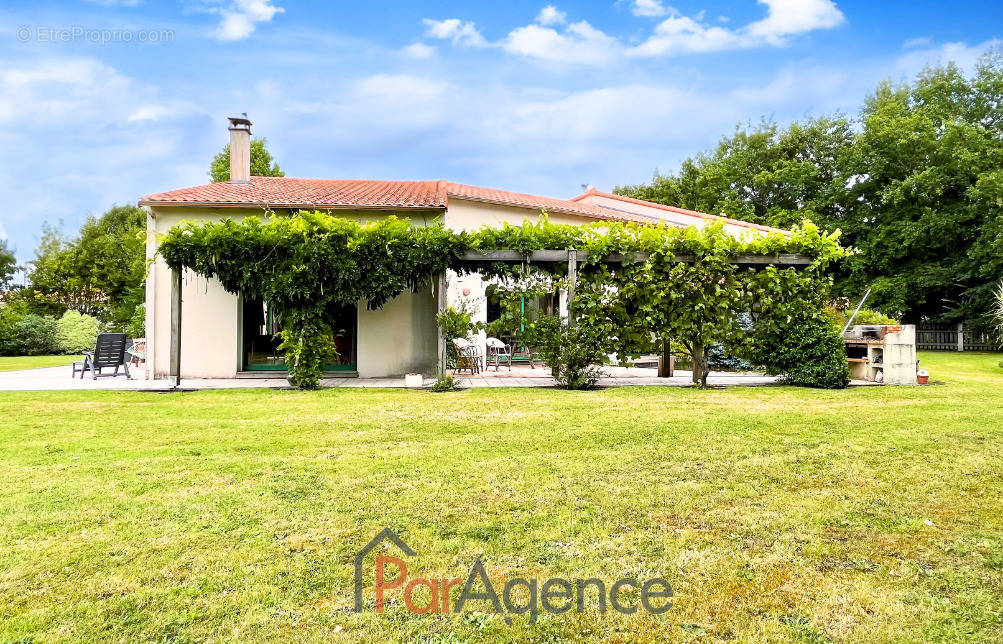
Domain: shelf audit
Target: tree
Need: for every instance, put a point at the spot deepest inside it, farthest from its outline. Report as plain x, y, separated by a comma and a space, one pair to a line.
262, 164
925, 209
763, 174
8, 264
100, 273
914, 183
699, 304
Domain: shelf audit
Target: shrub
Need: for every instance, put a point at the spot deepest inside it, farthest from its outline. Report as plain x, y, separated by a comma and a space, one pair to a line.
806, 350
575, 353
455, 322
308, 346
136, 328
444, 383
31, 335
10, 314
76, 333
863, 316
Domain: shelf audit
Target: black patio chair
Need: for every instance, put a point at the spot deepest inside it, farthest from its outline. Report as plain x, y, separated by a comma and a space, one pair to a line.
109, 352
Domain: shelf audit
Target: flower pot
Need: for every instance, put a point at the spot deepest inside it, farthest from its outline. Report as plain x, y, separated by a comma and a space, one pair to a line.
922, 377
413, 380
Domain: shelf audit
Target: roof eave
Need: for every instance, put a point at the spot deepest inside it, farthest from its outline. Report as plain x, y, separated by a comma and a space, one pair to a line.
299, 206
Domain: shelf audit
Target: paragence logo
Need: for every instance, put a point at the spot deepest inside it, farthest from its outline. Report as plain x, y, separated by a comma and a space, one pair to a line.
519, 595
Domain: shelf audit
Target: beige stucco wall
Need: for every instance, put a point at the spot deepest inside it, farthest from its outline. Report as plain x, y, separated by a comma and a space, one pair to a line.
399, 338
464, 214
209, 321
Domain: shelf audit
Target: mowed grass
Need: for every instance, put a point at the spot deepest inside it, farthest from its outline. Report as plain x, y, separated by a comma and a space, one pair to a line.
18, 363
780, 514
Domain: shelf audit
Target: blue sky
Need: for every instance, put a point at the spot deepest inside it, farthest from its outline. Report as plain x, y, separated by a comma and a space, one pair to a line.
530, 96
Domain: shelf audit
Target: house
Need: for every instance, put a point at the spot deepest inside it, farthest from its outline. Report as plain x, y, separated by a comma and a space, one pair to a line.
226, 336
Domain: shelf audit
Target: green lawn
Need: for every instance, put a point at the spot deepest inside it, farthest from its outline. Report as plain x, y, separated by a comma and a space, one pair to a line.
866, 515
17, 363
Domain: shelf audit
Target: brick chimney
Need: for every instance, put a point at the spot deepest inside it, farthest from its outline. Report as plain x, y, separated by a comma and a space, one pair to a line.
240, 149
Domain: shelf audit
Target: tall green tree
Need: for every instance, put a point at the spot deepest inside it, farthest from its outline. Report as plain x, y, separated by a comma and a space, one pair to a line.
8, 264
764, 174
100, 273
923, 207
262, 163
915, 182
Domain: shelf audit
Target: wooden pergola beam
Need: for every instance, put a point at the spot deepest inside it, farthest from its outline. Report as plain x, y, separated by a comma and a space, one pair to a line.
581, 256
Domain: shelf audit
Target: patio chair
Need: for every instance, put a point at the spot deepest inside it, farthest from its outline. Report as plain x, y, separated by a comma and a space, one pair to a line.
136, 351
498, 350
468, 356
523, 352
108, 352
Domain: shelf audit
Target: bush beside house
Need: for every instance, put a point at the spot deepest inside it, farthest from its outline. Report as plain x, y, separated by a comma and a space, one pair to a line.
76, 333
575, 353
30, 334
805, 350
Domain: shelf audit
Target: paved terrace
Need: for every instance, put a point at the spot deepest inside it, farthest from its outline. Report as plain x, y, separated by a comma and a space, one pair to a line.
58, 379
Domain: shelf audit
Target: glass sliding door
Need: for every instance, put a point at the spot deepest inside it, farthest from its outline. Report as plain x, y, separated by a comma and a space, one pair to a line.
261, 339
344, 323
260, 328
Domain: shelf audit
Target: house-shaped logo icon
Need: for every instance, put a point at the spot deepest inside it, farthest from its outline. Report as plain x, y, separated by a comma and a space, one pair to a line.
385, 533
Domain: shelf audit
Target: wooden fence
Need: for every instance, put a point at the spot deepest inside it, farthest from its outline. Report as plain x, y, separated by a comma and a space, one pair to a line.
949, 337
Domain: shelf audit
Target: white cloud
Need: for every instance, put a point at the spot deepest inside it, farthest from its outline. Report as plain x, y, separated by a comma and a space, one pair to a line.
964, 56
580, 43
398, 87
418, 50
240, 18
651, 8
683, 34
69, 151
57, 88
459, 32
915, 43
551, 15
789, 17
784, 18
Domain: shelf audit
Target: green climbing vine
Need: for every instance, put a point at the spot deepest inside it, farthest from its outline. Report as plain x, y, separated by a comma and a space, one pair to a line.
307, 263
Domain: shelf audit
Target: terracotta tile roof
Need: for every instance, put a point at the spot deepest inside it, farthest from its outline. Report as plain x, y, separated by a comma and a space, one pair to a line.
507, 198
678, 211
281, 192
288, 192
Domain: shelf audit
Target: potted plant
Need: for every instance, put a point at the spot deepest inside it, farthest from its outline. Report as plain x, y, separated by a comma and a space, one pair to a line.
413, 380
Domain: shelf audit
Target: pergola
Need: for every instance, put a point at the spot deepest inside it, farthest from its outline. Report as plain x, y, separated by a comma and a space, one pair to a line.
572, 257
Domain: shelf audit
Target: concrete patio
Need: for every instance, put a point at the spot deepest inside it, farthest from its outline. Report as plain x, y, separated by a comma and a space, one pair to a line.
58, 379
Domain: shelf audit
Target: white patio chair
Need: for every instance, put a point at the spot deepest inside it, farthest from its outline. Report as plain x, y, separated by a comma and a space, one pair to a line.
498, 350
468, 356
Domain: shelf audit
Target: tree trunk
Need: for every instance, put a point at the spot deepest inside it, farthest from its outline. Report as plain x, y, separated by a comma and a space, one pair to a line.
665, 362
699, 358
